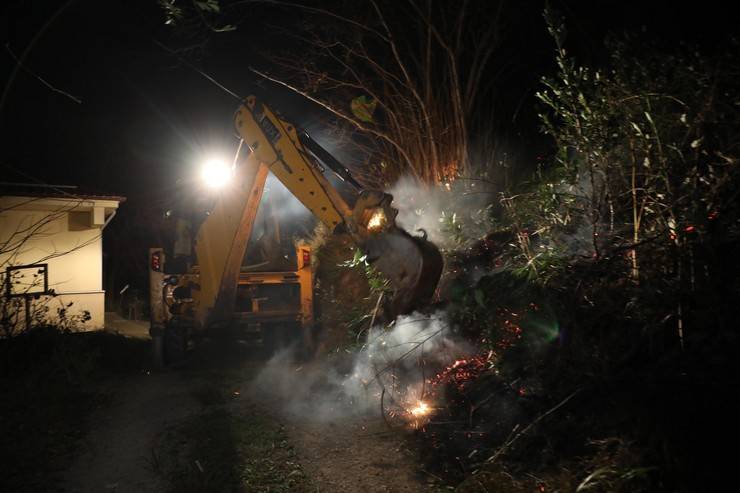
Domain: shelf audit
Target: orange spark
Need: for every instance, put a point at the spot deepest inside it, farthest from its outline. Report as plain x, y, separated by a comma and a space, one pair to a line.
421, 409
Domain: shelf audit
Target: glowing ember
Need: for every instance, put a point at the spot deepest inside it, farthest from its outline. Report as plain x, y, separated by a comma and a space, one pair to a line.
377, 220
463, 371
420, 410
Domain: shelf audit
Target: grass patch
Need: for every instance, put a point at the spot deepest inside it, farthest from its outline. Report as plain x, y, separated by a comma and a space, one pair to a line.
228, 446
220, 452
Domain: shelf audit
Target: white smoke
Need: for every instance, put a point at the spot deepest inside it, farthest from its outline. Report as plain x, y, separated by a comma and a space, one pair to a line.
426, 208
394, 363
278, 200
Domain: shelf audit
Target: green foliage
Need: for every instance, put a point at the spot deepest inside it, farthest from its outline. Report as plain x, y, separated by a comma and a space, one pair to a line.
618, 276
173, 13
645, 154
504, 312
208, 6
451, 227
376, 280
634, 217
344, 300
191, 17
363, 108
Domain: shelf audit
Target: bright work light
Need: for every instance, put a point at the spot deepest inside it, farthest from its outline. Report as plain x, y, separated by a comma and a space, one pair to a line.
216, 173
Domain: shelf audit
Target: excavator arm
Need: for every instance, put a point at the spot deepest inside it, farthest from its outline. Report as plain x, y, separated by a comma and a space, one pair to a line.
275, 143
412, 264
222, 241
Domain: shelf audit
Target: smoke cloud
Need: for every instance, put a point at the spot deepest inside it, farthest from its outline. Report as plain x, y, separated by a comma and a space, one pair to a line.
426, 208
393, 363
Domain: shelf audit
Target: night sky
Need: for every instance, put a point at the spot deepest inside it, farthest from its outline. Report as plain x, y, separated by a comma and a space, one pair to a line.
142, 120
146, 120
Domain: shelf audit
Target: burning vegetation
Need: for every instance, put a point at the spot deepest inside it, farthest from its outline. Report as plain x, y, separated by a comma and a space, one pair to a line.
585, 327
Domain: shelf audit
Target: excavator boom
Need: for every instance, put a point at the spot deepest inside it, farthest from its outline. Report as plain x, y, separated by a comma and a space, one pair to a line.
215, 291
412, 264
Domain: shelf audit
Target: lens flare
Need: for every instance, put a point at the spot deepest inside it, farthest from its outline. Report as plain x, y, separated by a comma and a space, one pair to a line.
215, 173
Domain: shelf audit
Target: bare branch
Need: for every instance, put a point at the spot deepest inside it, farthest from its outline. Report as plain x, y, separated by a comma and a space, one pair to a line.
317, 10
340, 114
40, 79
411, 87
531, 425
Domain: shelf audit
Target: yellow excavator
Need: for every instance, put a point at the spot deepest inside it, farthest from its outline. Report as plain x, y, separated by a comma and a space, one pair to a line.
214, 290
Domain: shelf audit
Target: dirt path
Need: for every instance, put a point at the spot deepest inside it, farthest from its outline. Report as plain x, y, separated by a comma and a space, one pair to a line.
117, 456
355, 454
340, 447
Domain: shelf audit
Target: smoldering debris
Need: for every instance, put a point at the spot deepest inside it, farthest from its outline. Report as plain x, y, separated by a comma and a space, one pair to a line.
393, 363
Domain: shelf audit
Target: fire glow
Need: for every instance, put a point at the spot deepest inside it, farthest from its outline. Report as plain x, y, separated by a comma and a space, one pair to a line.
377, 220
463, 371
422, 409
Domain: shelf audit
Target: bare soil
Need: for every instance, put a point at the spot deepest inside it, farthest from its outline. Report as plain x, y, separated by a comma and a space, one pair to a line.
355, 455
119, 453
116, 456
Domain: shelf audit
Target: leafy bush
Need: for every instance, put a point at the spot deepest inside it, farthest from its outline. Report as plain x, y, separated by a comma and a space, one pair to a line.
643, 184
617, 276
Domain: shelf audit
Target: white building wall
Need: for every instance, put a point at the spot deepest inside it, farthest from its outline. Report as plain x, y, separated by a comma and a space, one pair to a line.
66, 234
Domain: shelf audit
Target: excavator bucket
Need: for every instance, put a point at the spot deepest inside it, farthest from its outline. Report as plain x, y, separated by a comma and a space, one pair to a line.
411, 263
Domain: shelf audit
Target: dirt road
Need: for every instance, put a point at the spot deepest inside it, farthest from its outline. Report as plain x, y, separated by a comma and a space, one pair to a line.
123, 451
355, 455
116, 456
